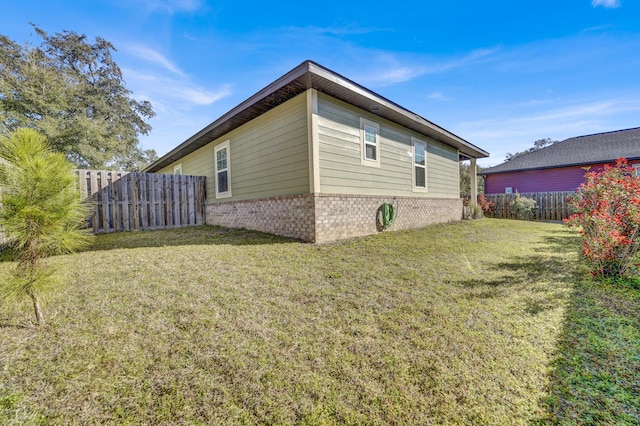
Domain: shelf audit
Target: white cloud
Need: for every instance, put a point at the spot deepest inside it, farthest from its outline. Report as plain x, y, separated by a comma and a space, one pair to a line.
199, 96
609, 4
338, 30
393, 68
148, 54
533, 102
471, 58
165, 92
437, 96
400, 74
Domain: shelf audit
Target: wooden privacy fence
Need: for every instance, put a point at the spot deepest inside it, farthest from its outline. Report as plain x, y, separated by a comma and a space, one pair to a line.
549, 205
127, 201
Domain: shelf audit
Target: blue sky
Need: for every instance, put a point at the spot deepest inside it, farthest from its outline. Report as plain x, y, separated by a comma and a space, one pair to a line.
500, 74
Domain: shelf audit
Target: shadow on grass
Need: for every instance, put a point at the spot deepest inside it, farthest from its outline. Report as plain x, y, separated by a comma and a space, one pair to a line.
194, 235
549, 265
595, 373
595, 376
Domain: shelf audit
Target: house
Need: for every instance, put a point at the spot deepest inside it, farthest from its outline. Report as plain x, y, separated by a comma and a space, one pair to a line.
314, 156
561, 166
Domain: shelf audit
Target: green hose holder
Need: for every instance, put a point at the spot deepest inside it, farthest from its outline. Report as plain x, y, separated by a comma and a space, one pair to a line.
388, 213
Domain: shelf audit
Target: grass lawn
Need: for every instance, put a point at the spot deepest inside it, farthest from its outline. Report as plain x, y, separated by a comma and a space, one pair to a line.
478, 322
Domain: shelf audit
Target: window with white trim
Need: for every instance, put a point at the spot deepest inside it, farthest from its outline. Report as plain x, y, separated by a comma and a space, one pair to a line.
419, 164
177, 169
223, 170
369, 142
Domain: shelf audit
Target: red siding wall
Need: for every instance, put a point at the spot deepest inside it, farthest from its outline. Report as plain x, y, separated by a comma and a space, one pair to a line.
547, 180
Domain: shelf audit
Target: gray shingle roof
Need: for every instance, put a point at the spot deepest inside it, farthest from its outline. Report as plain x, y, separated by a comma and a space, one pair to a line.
589, 149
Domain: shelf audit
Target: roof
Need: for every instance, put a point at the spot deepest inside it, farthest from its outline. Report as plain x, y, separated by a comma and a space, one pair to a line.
576, 151
310, 75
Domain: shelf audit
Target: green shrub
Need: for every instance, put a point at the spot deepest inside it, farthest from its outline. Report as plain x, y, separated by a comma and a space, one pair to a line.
522, 207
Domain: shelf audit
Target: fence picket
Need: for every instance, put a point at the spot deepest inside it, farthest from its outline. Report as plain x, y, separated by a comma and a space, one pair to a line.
124, 189
152, 206
200, 198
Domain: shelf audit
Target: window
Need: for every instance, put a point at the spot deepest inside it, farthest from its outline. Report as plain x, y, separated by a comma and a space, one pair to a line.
223, 172
419, 164
636, 167
177, 170
370, 142
508, 190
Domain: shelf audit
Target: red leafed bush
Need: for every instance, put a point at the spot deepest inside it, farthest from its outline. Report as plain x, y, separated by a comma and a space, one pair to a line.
607, 214
486, 205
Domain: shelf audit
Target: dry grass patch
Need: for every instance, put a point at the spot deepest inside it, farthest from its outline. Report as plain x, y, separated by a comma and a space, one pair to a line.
451, 324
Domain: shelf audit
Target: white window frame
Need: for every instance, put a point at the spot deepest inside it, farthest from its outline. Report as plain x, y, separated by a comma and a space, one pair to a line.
636, 167
363, 143
423, 144
220, 147
177, 169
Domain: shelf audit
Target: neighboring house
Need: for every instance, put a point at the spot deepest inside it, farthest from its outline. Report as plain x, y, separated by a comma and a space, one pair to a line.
314, 155
561, 166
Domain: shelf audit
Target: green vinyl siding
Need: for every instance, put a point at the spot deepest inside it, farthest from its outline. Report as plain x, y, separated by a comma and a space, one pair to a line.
198, 163
341, 171
442, 169
268, 156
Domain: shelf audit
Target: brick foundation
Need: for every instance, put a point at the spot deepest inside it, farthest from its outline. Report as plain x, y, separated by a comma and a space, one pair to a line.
345, 216
288, 216
324, 218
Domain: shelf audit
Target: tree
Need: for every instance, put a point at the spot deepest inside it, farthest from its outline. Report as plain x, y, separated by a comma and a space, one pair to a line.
465, 180
537, 145
73, 92
42, 213
607, 214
